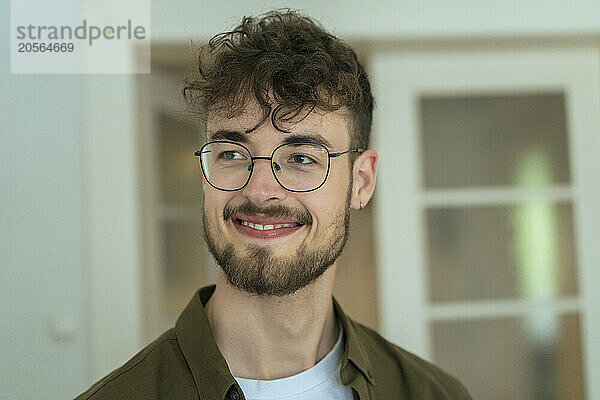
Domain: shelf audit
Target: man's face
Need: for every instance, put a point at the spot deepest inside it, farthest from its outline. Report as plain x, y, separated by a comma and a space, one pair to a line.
263, 259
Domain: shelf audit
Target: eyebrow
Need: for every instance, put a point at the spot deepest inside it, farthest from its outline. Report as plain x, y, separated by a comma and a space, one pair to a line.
225, 134
293, 138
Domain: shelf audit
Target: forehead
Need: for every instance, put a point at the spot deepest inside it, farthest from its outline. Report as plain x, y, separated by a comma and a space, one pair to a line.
331, 129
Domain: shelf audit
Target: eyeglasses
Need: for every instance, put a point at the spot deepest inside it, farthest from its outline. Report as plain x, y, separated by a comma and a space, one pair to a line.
298, 167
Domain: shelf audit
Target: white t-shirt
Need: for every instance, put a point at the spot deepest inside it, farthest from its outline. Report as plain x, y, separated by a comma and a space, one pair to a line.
320, 382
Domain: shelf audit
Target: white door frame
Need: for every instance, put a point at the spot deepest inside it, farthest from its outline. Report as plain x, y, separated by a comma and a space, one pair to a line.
398, 80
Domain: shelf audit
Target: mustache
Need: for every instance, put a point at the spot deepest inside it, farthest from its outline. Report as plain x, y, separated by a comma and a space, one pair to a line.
276, 211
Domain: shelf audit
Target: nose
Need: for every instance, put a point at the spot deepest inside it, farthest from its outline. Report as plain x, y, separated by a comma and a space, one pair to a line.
263, 187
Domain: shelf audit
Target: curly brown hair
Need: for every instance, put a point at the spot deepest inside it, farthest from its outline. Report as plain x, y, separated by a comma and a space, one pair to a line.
284, 58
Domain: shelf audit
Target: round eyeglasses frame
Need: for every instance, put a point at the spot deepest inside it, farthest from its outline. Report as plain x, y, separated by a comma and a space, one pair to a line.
330, 155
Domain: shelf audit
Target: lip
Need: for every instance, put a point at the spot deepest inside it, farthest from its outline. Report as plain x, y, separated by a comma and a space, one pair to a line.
263, 220
265, 234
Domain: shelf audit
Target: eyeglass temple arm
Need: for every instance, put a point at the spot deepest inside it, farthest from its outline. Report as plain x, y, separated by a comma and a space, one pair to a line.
344, 152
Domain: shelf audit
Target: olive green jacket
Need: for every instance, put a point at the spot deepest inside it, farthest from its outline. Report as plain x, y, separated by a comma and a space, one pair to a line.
185, 363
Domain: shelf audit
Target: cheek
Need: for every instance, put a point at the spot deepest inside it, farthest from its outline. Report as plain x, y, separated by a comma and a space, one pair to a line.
214, 203
325, 203
337, 183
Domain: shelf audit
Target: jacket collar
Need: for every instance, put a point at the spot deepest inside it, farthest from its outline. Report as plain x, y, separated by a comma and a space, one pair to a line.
194, 334
355, 350
208, 366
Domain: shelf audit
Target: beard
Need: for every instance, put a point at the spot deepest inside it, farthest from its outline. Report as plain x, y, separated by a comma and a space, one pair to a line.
261, 273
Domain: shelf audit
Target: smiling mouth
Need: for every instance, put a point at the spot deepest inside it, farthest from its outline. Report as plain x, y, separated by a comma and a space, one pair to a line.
265, 227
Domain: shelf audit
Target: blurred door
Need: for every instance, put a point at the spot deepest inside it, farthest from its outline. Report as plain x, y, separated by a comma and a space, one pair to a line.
176, 261
488, 211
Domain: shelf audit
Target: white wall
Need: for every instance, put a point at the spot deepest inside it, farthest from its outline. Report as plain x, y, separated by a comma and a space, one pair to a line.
389, 18
43, 296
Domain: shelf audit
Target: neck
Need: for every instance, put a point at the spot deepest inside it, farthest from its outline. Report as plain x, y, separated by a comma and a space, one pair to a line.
273, 337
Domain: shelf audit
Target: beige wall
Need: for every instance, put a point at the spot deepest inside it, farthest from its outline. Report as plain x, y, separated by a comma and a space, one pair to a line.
355, 286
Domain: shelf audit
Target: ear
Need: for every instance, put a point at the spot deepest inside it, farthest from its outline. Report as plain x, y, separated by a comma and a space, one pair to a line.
364, 171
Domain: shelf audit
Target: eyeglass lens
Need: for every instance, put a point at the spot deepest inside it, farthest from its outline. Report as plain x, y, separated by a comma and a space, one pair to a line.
298, 167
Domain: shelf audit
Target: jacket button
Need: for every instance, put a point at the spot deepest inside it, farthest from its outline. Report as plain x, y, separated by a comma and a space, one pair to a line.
234, 395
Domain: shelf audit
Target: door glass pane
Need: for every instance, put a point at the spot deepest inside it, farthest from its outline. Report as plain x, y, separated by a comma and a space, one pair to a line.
184, 265
517, 139
526, 358
520, 251
181, 180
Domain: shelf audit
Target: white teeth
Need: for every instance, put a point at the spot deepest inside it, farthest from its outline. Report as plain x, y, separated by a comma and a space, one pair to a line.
266, 227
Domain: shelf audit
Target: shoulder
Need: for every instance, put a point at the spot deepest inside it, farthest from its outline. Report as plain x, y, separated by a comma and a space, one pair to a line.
415, 377
159, 370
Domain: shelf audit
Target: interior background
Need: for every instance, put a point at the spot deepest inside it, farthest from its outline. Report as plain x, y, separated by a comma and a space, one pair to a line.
74, 241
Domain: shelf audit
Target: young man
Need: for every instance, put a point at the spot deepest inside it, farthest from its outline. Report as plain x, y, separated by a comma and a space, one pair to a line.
287, 110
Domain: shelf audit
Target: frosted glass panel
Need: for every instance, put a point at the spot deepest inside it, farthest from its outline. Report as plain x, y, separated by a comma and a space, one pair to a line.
184, 265
528, 358
181, 178
518, 139
521, 251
